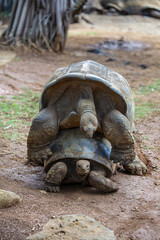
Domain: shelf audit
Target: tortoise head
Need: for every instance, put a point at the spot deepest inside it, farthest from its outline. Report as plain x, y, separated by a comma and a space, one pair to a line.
87, 112
88, 124
82, 168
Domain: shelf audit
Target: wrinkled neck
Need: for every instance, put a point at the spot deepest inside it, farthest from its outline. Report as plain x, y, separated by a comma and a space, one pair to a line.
86, 101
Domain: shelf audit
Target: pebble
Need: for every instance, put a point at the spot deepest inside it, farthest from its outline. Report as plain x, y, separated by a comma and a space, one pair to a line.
42, 191
111, 59
143, 66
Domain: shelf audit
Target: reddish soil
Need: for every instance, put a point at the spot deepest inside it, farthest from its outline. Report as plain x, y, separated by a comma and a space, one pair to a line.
133, 212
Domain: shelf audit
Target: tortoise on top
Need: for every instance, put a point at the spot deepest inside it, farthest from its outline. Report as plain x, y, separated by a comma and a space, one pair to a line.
90, 96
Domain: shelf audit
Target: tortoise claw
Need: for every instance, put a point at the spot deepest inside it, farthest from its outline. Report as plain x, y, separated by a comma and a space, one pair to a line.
136, 167
51, 188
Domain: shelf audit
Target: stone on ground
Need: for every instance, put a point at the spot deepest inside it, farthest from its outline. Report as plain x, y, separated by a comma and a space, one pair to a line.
7, 199
74, 227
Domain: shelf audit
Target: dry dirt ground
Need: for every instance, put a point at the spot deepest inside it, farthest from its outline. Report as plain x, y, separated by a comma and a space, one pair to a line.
133, 212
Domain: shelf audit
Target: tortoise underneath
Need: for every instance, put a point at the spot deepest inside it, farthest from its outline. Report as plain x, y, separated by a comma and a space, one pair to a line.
76, 158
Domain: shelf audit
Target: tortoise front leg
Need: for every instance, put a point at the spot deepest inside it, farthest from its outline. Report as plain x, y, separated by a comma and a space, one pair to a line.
43, 129
55, 176
99, 181
116, 128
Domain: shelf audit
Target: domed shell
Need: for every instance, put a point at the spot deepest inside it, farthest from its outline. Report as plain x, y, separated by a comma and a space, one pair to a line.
131, 6
96, 74
71, 145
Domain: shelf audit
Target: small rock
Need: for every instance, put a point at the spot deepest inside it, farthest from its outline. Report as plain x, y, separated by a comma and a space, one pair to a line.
126, 62
77, 226
96, 51
144, 66
42, 191
157, 183
135, 209
122, 209
154, 167
8, 199
33, 229
111, 59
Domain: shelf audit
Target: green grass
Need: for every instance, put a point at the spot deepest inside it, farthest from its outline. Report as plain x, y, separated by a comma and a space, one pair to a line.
17, 59
146, 109
17, 113
150, 88
91, 33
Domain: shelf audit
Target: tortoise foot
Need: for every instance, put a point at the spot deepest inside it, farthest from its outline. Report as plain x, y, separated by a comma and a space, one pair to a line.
101, 183
136, 167
123, 156
55, 176
39, 155
51, 188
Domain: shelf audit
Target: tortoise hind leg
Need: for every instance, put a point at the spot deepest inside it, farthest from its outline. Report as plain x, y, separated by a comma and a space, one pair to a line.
55, 176
136, 167
102, 183
43, 129
116, 128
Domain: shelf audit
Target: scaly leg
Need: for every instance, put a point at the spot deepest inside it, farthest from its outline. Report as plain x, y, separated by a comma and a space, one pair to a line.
117, 130
55, 176
102, 183
44, 128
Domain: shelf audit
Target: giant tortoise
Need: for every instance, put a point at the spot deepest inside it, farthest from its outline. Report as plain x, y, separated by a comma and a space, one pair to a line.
91, 97
144, 7
77, 159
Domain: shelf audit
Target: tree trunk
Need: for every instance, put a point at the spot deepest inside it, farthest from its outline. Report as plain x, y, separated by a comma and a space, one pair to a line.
42, 24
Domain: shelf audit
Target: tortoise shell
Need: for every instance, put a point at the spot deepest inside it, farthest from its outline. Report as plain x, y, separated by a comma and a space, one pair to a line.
71, 145
107, 86
130, 6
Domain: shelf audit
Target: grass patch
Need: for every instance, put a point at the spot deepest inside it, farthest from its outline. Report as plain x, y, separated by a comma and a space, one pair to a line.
150, 88
17, 59
91, 33
17, 113
144, 110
